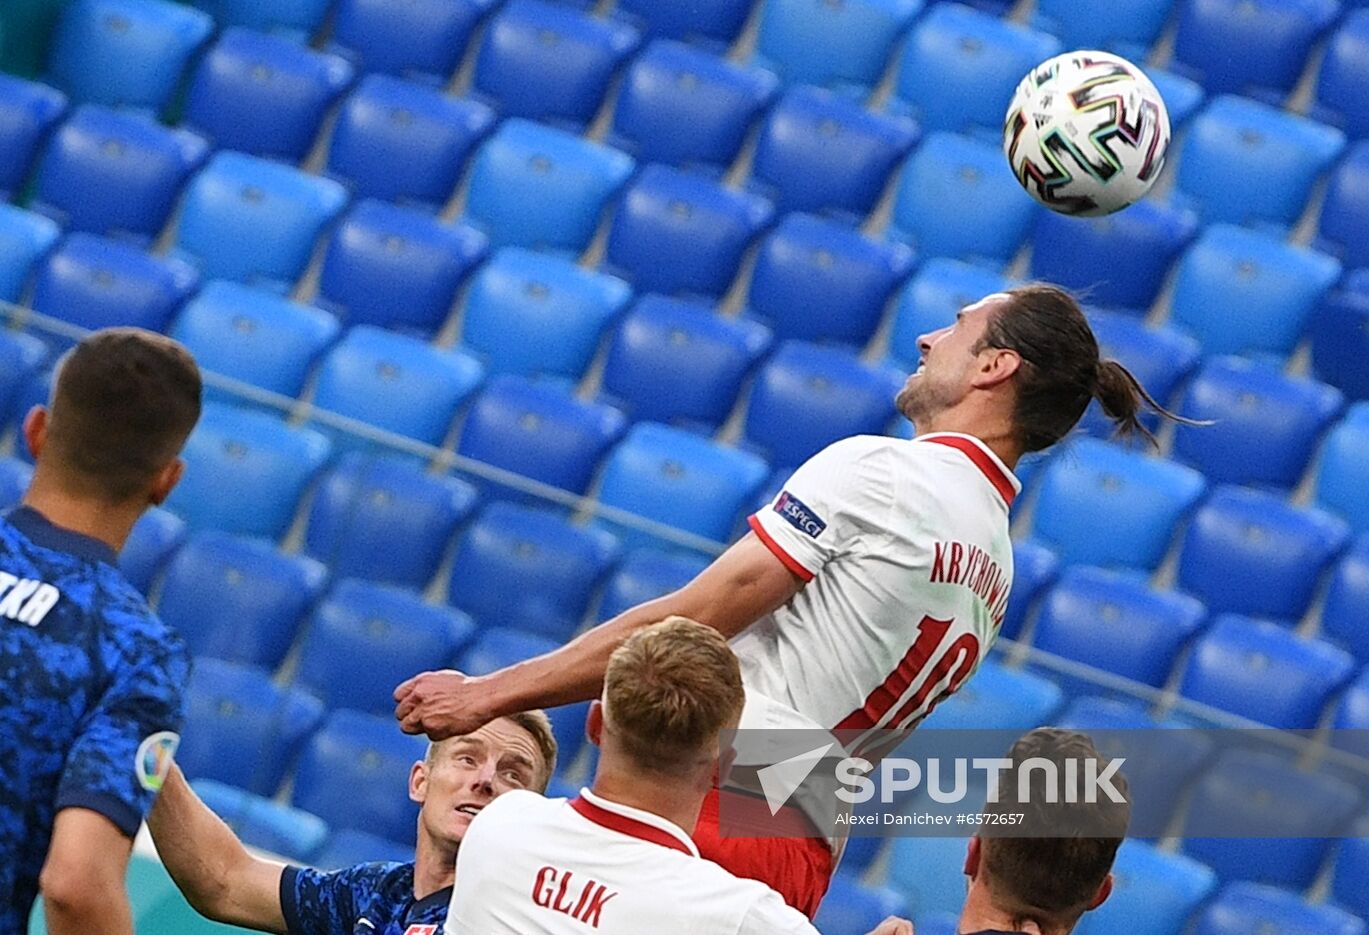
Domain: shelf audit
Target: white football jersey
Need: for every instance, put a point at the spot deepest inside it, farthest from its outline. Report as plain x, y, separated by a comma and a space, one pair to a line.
905, 548
531, 865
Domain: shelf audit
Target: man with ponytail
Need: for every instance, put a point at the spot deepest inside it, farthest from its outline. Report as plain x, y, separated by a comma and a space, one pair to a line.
875, 583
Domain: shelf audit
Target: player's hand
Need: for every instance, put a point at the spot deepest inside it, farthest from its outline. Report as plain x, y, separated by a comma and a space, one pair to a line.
441, 704
894, 926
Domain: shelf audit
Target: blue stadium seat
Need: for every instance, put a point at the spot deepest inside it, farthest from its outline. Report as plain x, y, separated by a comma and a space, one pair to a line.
1275, 285
367, 504
1249, 789
1116, 623
675, 477
156, 536
1350, 725
529, 569
539, 430
704, 230
1182, 96
1242, 908
675, 361
298, 19
937, 923
405, 142
391, 632
998, 698
822, 153
108, 172
348, 847
533, 186
1352, 869
551, 63
253, 336
531, 314
715, 22
1344, 75
929, 873
397, 383
1162, 359
1126, 26
850, 906
1346, 607
839, 45
1344, 225
1265, 673
1154, 893
241, 728
421, 39
806, 397
128, 53
1343, 469
238, 599
248, 219
1340, 336
939, 290
25, 238
1119, 261
1244, 162
1250, 552
644, 575
397, 267
96, 283
819, 280
1265, 425
991, 218
264, 95
28, 111
1145, 499
671, 85
15, 475
1240, 46
246, 471
1035, 568
354, 773
960, 67
261, 823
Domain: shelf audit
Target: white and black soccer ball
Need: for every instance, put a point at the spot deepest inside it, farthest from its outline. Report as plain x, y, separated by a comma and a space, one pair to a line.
1086, 133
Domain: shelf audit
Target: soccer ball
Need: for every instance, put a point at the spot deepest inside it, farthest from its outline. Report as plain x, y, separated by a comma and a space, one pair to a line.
1086, 133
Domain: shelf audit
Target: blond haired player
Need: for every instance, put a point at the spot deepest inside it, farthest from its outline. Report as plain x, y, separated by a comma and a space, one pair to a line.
875, 583
618, 859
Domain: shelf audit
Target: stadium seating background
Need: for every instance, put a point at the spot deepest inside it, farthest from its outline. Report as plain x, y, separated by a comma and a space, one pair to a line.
465, 269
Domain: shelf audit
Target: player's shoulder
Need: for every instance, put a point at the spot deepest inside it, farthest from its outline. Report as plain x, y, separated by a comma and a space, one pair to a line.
517, 806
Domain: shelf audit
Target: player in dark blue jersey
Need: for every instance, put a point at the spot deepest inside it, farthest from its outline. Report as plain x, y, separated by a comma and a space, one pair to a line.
459, 776
90, 696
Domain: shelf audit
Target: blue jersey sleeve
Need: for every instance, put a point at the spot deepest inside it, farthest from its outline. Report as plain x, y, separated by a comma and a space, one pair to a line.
318, 903
126, 742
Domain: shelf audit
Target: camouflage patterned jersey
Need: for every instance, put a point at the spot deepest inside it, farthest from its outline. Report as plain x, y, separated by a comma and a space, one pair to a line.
368, 899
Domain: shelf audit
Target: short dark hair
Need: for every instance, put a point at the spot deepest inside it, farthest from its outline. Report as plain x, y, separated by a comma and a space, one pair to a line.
123, 403
1062, 370
1051, 876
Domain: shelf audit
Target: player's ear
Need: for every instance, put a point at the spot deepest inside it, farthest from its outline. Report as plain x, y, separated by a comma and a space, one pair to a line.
996, 365
594, 723
165, 481
1103, 893
36, 430
972, 855
418, 782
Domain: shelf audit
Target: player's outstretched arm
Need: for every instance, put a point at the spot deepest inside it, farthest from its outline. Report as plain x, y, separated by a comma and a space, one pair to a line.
217, 875
83, 877
739, 587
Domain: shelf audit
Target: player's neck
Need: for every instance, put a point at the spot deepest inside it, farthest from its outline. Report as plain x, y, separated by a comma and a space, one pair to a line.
105, 522
434, 866
677, 801
980, 915
997, 435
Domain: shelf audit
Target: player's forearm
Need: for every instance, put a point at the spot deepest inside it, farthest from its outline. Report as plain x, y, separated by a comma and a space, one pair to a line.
88, 909
210, 866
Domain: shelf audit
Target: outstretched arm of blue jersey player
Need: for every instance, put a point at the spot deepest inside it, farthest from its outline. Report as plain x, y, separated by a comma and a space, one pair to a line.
742, 585
83, 877
214, 871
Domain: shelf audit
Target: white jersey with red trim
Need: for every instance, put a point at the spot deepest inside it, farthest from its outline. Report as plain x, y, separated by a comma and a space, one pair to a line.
905, 548
532, 865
